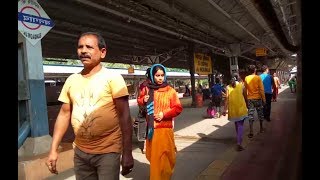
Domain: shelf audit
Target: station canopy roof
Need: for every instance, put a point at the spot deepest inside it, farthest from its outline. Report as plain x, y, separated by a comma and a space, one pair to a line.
150, 31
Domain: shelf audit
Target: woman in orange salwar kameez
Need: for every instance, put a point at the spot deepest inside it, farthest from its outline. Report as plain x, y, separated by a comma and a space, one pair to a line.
163, 105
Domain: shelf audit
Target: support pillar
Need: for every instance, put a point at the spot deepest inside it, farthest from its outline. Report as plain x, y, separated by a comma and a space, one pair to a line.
235, 52
38, 105
211, 76
281, 77
191, 68
36, 118
234, 68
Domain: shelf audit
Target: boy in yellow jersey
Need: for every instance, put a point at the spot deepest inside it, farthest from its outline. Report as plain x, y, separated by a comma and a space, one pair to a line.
256, 97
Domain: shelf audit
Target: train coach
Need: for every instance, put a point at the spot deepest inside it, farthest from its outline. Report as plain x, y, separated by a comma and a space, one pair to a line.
56, 75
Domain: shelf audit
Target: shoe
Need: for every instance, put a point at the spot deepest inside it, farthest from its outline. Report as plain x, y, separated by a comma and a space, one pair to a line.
250, 135
143, 151
216, 116
262, 130
239, 148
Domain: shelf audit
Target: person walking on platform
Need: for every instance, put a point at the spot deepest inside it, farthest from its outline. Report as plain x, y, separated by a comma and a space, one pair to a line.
142, 108
293, 84
95, 101
276, 87
236, 104
268, 83
217, 92
163, 105
145, 82
187, 91
256, 97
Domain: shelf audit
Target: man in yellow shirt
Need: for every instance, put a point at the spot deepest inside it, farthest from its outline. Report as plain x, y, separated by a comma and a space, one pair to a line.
256, 97
95, 101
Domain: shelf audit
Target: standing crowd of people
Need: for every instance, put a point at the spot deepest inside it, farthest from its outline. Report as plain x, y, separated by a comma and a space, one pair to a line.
95, 102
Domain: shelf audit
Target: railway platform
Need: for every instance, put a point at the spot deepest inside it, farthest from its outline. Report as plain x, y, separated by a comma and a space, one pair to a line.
210, 145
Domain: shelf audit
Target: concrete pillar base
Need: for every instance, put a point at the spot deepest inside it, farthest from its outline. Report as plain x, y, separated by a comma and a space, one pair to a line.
35, 146
37, 169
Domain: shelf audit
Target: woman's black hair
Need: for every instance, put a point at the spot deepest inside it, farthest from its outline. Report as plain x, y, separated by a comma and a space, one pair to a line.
101, 41
252, 68
235, 77
148, 73
217, 80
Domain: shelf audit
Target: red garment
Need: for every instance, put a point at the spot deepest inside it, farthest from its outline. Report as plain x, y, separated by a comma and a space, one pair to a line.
275, 93
166, 100
143, 84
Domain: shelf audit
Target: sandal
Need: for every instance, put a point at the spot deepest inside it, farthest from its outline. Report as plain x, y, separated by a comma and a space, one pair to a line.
250, 135
239, 148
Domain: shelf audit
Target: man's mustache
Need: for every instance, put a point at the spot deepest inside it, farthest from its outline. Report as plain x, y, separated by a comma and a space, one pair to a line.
85, 56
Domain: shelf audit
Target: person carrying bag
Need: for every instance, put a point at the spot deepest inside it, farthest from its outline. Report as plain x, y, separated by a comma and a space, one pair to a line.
140, 124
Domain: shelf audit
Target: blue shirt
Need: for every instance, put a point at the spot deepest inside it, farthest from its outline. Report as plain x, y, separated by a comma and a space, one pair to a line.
267, 82
217, 89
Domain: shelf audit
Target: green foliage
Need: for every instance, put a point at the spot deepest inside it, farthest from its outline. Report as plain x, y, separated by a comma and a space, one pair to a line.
57, 61
203, 82
177, 70
180, 83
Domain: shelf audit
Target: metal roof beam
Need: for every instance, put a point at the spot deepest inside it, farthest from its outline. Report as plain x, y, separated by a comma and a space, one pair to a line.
237, 23
97, 20
267, 11
86, 2
232, 19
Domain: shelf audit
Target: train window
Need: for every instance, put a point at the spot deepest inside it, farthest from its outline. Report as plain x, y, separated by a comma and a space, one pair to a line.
59, 82
50, 83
